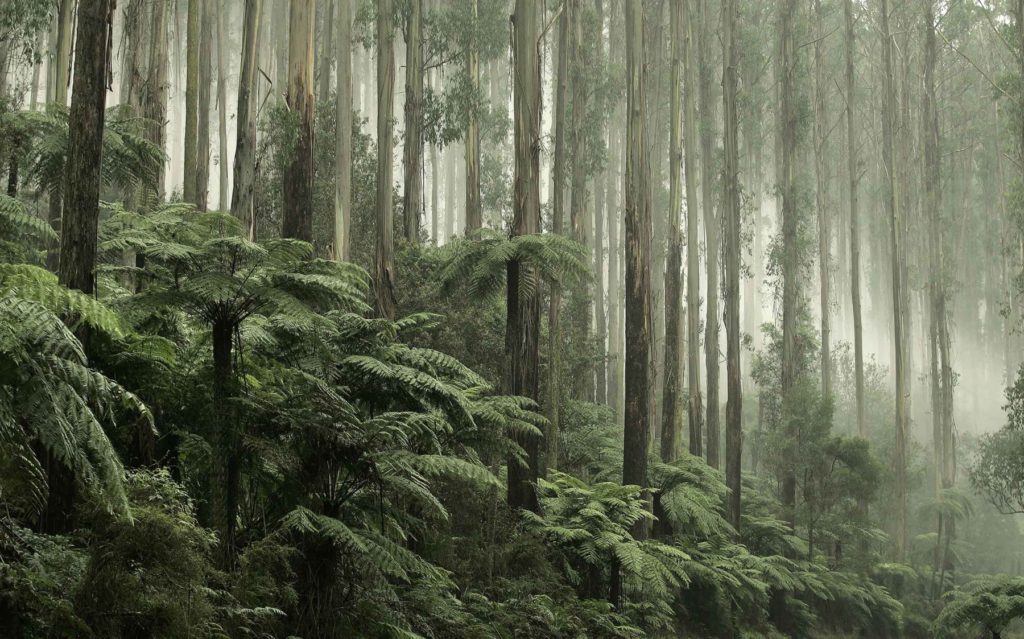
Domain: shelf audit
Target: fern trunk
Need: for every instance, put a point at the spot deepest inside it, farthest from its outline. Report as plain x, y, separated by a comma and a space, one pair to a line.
225, 443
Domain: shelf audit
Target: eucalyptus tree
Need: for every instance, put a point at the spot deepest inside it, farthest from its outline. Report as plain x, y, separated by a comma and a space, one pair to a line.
244, 182
695, 402
193, 38
638, 275
343, 152
412, 196
297, 218
892, 207
731, 215
671, 414
383, 273
522, 337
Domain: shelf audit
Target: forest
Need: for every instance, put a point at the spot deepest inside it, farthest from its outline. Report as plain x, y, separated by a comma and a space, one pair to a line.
511, 319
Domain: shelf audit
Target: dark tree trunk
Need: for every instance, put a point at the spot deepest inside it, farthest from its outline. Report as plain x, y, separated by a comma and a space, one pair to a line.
85, 143
522, 336
413, 165
731, 216
225, 442
82, 194
638, 274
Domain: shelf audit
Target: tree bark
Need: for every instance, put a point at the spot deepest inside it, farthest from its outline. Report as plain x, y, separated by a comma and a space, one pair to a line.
731, 215
889, 117
695, 407
522, 337
59, 95
583, 385
413, 193
474, 215
326, 51
193, 38
554, 381
853, 168
343, 152
244, 179
791, 293
85, 143
671, 414
222, 110
297, 218
203, 113
821, 201
225, 443
638, 275
712, 242
384, 287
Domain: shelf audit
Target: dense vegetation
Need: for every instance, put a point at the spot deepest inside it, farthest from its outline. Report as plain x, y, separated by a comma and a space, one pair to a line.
483, 399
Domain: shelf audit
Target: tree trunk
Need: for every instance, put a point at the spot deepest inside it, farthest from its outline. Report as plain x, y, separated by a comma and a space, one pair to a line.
297, 218
671, 414
384, 287
413, 193
821, 200
222, 110
85, 143
343, 152
193, 38
244, 179
522, 337
695, 407
599, 187
889, 117
731, 214
853, 168
203, 125
614, 244
59, 95
554, 382
789, 115
326, 51
474, 215
712, 243
584, 383
638, 274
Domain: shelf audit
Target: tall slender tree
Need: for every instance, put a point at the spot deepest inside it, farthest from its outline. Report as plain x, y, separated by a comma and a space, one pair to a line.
384, 291
791, 294
638, 268
244, 178
522, 336
671, 414
413, 159
343, 152
695, 403
821, 169
731, 216
58, 94
853, 168
297, 218
712, 242
206, 30
193, 37
222, 108
474, 213
85, 141
889, 118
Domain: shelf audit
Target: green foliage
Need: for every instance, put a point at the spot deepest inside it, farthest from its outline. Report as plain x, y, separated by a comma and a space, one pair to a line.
989, 603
